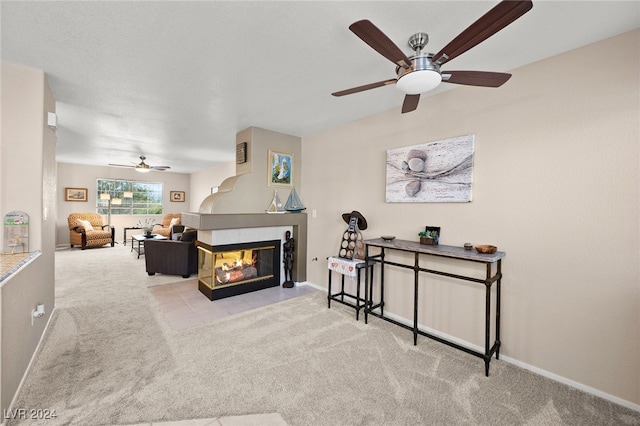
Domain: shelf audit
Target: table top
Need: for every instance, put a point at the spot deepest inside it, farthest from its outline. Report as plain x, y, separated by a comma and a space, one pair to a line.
439, 250
142, 237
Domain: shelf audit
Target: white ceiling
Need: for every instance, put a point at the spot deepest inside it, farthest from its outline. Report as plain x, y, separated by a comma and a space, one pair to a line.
175, 81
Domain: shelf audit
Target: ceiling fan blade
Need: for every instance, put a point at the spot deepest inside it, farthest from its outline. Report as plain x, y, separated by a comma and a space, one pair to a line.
410, 103
503, 14
121, 165
365, 87
476, 78
160, 168
382, 44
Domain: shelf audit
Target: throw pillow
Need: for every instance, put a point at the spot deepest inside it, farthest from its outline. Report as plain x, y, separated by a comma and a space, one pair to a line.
86, 225
189, 235
175, 221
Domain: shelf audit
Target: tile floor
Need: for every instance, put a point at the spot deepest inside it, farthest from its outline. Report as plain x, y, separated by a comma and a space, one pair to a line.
184, 306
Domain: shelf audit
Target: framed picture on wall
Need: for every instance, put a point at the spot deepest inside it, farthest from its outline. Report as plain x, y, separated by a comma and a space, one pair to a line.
75, 194
176, 196
280, 169
432, 172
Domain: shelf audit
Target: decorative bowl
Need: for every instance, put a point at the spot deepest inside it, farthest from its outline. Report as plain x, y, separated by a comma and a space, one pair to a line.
388, 237
486, 249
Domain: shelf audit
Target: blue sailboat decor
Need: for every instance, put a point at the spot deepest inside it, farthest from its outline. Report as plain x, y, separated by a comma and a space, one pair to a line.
293, 203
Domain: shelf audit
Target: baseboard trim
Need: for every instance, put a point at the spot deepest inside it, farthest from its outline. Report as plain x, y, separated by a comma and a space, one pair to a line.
310, 284
577, 385
30, 365
580, 386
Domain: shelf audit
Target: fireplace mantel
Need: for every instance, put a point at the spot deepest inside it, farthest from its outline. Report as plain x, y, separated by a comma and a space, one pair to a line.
298, 222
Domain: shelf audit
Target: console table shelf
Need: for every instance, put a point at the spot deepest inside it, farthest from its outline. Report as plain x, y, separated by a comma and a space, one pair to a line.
452, 252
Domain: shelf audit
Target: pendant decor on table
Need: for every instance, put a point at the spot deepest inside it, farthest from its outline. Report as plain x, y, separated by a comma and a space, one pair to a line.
433, 172
352, 244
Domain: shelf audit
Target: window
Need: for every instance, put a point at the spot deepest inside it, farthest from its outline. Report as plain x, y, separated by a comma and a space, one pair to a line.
146, 197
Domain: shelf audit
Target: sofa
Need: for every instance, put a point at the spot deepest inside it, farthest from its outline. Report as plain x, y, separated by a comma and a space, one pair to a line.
176, 256
87, 230
168, 221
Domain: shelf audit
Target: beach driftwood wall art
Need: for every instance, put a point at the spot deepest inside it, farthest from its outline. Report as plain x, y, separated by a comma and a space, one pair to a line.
433, 172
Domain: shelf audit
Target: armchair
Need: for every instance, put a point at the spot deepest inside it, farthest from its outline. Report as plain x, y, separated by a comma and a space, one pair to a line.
172, 257
168, 221
87, 230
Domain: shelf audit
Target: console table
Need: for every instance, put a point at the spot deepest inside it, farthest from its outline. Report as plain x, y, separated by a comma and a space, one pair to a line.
451, 252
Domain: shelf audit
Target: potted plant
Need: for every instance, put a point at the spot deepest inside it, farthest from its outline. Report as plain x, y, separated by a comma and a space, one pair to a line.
428, 237
147, 226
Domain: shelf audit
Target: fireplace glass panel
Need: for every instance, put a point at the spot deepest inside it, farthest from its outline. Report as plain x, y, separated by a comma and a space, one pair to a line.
221, 267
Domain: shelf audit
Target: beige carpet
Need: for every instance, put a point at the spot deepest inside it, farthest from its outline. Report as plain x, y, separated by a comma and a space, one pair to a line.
270, 419
110, 358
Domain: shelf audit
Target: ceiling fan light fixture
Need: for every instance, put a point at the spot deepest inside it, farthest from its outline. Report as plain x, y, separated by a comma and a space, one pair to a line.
416, 82
143, 169
421, 73
423, 76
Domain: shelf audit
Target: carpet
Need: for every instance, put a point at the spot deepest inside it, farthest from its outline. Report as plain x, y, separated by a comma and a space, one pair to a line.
116, 361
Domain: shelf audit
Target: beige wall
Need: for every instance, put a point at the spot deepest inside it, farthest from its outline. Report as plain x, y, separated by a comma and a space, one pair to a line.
203, 181
28, 180
555, 186
79, 176
250, 191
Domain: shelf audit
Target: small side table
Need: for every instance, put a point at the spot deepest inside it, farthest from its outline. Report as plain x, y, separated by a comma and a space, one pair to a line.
350, 268
125, 232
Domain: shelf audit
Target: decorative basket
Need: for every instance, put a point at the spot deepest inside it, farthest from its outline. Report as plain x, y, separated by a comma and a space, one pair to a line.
426, 240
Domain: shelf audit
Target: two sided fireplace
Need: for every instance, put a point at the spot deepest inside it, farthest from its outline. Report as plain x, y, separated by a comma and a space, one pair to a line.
232, 269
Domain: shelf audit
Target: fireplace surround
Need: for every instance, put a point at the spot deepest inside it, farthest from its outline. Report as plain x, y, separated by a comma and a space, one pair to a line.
232, 269
208, 225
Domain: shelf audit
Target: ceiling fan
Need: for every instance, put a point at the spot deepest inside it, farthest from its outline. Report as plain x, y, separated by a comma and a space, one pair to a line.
142, 166
421, 72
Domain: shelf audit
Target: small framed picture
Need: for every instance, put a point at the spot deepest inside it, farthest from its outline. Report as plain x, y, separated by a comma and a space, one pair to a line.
176, 196
280, 169
241, 153
75, 194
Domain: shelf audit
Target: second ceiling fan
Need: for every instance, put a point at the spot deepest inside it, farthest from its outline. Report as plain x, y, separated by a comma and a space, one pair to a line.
421, 72
142, 166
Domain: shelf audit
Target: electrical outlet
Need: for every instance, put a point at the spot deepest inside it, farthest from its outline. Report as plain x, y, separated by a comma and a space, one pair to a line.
37, 312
